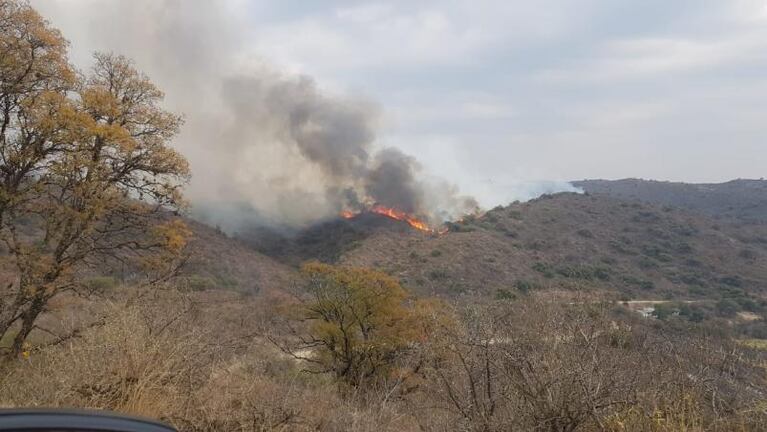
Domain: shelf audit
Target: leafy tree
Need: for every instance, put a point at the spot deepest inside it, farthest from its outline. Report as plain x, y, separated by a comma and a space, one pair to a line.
358, 323
85, 159
727, 307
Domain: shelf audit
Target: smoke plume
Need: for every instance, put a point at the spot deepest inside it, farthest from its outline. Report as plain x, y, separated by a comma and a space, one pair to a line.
265, 146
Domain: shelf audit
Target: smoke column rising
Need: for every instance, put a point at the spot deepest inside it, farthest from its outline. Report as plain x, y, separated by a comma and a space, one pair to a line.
265, 146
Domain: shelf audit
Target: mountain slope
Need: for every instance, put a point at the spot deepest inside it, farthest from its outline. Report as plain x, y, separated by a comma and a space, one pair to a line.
577, 243
220, 261
745, 200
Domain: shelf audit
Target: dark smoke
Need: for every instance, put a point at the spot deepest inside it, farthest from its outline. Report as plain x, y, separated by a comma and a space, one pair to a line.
265, 147
391, 181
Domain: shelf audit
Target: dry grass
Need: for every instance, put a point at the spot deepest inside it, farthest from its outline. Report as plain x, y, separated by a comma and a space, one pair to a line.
193, 360
197, 361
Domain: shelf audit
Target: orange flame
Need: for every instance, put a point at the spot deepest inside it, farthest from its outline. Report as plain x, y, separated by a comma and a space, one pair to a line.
402, 216
397, 215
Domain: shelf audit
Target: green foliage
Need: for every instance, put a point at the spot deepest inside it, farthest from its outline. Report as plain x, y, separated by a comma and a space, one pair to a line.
727, 308
585, 272
664, 311
733, 281
100, 283
525, 286
461, 226
582, 271
437, 274
435, 253
692, 312
545, 269
641, 283
504, 294
199, 283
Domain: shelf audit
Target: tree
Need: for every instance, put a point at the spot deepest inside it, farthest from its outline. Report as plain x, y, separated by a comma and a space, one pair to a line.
85, 160
531, 365
355, 323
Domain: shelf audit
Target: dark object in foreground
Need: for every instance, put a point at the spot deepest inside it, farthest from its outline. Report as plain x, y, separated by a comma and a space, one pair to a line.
56, 420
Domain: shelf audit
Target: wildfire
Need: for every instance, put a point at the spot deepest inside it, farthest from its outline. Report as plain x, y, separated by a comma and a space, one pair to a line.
400, 215
397, 215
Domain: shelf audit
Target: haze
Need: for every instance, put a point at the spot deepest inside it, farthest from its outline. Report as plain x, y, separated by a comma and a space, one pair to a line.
504, 99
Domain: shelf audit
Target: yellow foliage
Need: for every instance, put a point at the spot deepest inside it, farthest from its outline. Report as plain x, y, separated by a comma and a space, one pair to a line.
360, 322
86, 157
174, 234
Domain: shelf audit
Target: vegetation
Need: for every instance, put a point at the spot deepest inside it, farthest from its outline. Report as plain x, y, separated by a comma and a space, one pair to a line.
512, 323
199, 361
84, 158
355, 323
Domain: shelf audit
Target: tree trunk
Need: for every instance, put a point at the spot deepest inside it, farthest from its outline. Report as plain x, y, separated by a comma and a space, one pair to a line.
27, 324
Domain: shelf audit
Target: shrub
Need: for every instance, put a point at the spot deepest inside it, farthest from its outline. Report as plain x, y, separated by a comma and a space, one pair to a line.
663, 311
437, 274
504, 294
727, 308
525, 286
545, 269
100, 283
733, 281
584, 272
641, 283
358, 322
200, 283
748, 254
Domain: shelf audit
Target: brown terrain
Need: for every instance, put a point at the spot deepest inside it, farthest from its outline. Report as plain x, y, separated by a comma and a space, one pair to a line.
745, 200
563, 241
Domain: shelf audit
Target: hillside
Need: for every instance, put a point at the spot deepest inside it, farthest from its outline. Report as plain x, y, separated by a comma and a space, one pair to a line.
220, 261
578, 243
745, 200
215, 260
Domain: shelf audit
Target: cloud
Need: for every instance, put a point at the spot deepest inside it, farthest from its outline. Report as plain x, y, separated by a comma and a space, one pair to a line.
507, 91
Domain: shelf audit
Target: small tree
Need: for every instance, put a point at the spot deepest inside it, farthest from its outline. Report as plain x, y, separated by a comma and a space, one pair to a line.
83, 160
355, 323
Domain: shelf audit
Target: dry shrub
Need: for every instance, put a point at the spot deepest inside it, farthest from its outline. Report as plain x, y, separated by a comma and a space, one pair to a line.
196, 361
551, 367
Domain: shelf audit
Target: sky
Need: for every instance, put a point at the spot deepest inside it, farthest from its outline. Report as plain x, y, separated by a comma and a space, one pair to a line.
503, 98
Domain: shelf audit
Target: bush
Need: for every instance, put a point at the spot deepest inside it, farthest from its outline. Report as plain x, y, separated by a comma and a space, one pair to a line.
100, 283
641, 283
435, 253
584, 272
545, 269
733, 281
748, 254
663, 311
438, 274
525, 286
200, 283
504, 294
358, 321
727, 308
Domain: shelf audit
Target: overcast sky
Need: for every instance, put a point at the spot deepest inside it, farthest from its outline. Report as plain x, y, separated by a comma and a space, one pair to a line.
491, 93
